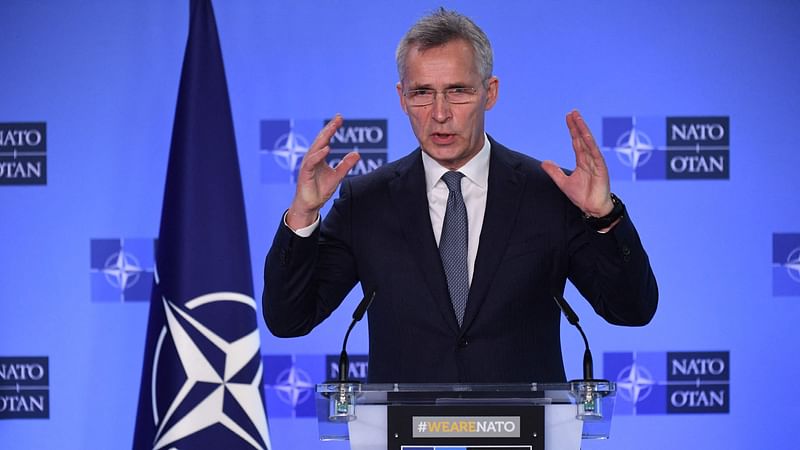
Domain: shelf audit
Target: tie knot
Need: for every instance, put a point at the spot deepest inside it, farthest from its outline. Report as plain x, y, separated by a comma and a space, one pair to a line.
453, 180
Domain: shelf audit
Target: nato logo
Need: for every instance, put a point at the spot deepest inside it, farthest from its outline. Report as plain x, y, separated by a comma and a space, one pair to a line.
669, 382
23, 153
357, 370
122, 269
786, 264
285, 142
290, 383
219, 386
658, 148
24, 387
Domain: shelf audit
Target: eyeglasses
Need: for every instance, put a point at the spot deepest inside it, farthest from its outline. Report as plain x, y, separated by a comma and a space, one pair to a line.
454, 96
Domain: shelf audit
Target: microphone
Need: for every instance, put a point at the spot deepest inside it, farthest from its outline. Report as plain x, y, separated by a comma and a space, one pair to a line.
358, 314
572, 318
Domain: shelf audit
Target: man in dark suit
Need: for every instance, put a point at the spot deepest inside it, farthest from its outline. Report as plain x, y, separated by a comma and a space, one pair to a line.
463, 239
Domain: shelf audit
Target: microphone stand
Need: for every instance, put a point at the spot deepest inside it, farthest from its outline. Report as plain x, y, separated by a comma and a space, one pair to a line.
342, 405
588, 391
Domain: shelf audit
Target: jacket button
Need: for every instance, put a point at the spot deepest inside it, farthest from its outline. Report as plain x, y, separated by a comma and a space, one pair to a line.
284, 257
463, 342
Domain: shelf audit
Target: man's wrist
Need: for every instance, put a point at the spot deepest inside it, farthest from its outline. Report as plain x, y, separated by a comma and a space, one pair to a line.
303, 232
607, 221
605, 210
300, 219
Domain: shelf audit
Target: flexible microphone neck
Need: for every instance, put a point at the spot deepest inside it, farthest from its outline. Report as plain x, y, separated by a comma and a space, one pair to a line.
347, 335
344, 360
572, 318
588, 365
358, 314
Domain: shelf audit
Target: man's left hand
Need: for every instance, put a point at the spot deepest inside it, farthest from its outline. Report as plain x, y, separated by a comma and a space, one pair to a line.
588, 186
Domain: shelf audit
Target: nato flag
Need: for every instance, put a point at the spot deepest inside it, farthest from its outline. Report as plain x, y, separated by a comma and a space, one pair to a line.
202, 374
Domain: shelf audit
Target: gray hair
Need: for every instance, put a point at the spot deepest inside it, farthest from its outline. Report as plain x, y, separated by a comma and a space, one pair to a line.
441, 27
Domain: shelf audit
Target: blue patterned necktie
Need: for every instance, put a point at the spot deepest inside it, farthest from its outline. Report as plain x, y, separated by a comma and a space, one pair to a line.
453, 245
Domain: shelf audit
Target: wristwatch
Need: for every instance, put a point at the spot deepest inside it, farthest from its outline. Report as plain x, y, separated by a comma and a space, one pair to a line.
601, 223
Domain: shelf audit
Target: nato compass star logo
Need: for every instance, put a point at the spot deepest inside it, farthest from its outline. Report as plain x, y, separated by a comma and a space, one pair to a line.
290, 384
634, 148
634, 383
638, 145
289, 150
220, 390
121, 269
792, 265
641, 381
283, 146
294, 386
786, 264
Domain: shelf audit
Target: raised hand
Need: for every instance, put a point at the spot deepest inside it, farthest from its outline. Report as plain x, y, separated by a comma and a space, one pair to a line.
316, 180
588, 186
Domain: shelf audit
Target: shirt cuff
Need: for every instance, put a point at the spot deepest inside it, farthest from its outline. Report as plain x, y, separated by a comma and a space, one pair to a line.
305, 231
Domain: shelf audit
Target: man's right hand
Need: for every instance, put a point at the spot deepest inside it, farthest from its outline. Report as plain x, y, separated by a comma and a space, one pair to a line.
316, 180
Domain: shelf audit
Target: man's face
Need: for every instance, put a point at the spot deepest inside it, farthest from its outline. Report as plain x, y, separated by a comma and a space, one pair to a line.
450, 133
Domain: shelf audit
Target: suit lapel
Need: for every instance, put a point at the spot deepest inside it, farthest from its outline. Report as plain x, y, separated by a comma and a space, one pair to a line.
410, 201
502, 204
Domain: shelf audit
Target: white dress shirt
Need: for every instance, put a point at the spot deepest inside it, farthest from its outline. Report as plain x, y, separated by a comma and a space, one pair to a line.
474, 186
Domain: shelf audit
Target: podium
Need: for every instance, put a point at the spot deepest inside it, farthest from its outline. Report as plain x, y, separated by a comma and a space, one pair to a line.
529, 416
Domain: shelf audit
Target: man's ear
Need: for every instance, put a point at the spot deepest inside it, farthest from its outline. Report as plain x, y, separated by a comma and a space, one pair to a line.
402, 97
493, 86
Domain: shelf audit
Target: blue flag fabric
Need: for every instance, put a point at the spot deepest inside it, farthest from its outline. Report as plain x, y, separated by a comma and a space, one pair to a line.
202, 373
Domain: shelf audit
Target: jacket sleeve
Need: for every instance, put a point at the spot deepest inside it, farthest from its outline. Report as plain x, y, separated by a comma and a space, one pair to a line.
306, 279
612, 271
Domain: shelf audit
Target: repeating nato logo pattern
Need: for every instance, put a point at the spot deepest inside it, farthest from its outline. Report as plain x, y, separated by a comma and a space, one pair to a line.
285, 142
23, 153
121, 270
786, 264
290, 381
24, 387
659, 148
669, 382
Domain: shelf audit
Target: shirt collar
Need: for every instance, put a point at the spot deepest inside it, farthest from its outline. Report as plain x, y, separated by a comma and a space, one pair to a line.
475, 170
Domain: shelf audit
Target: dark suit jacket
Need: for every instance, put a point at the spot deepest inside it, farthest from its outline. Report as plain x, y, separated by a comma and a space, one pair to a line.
379, 233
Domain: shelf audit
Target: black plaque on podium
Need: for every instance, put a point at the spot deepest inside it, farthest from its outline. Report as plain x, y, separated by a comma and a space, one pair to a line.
484, 427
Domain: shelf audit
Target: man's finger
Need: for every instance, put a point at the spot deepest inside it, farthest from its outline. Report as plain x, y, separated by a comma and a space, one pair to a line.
312, 159
571, 125
347, 163
581, 132
582, 153
585, 133
582, 156
326, 133
587, 153
594, 156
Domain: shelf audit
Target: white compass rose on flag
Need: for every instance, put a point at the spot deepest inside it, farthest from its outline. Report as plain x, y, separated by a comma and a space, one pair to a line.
199, 349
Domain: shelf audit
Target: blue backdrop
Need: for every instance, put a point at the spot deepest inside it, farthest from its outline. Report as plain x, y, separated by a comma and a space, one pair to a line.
99, 82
